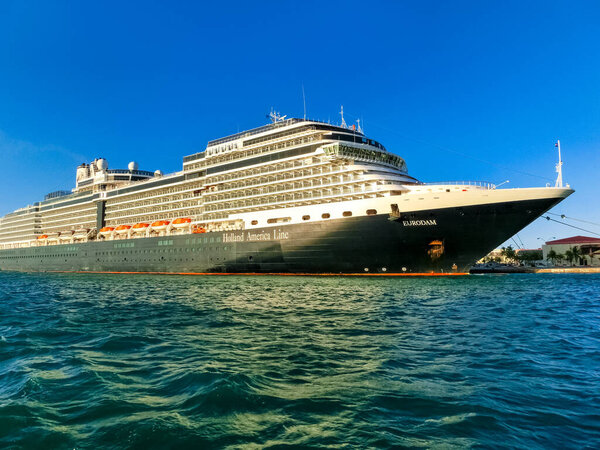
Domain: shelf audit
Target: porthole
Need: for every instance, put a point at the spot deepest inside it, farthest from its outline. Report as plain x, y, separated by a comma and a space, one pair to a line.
371, 212
254, 222
305, 217
325, 215
347, 213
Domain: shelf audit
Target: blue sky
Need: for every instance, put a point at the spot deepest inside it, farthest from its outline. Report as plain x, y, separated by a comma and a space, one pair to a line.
461, 90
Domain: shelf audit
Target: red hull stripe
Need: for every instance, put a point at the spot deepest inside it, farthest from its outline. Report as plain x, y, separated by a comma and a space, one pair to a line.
422, 274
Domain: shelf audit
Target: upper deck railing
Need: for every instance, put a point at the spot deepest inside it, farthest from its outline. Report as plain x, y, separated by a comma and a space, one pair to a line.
481, 184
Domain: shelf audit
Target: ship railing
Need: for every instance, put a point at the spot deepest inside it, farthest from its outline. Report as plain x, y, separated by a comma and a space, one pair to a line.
480, 184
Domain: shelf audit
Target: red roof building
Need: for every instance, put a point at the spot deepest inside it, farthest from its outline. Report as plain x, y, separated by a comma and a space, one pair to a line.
575, 240
589, 250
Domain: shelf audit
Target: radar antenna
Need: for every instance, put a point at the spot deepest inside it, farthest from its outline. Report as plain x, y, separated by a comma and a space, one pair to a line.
276, 117
343, 121
359, 129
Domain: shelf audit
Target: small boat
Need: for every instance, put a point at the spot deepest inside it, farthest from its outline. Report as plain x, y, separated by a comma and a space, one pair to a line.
52, 237
42, 237
106, 231
182, 222
196, 229
160, 225
65, 235
81, 233
122, 229
140, 227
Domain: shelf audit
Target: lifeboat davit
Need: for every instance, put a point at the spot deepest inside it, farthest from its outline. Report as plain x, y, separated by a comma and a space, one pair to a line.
160, 225
182, 222
122, 229
140, 227
106, 231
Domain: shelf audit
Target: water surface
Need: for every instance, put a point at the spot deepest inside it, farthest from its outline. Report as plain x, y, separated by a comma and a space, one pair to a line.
112, 361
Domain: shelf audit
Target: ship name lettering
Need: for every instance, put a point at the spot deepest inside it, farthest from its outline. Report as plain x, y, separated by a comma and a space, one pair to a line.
279, 235
258, 237
419, 223
233, 237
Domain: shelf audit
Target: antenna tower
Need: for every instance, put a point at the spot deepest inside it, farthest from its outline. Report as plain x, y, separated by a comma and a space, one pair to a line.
304, 101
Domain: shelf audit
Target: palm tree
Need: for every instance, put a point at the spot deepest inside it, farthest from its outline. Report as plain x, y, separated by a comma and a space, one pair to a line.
577, 255
509, 254
569, 256
552, 257
560, 257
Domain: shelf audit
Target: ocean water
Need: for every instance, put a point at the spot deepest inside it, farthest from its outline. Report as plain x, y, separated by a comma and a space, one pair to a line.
136, 361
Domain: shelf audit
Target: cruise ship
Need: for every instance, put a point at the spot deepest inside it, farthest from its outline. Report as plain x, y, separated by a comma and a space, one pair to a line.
293, 196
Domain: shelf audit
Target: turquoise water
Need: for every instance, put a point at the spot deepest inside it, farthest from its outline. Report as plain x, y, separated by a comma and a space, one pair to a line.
112, 361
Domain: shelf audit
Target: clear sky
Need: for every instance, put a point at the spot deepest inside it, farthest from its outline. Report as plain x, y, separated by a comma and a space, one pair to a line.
462, 90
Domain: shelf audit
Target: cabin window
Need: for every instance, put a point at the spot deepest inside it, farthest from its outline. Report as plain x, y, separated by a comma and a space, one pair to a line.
254, 222
280, 220
371, 212
347, 213
305, 217
325, 215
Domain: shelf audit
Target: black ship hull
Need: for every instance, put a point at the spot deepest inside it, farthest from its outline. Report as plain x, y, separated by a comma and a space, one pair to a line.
445, 240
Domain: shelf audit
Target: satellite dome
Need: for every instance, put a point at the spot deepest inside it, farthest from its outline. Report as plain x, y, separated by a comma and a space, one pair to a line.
102, 164
158, 173
132, 165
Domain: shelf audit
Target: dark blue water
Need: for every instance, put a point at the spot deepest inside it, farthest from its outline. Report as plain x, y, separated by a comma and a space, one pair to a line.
111, 361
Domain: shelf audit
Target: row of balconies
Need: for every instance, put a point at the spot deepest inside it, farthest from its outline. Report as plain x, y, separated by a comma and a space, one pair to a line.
303, 184
135, 214
269, 168
156, 193
241, 154
238, 209
282, 199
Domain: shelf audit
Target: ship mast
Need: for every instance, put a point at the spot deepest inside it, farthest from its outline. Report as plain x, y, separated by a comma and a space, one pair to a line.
559, 180
343, 121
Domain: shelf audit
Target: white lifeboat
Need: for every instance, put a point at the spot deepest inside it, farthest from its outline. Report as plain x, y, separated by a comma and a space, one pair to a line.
65, 235
182, 222
81, 233
52, 237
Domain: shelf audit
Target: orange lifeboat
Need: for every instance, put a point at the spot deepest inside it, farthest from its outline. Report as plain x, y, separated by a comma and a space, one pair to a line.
122, 229
182, 222
198, 229
140, 227
106, 231
160, 225
42, 236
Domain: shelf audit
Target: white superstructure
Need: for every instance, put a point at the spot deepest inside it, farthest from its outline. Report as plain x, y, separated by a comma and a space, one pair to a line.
290, 171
